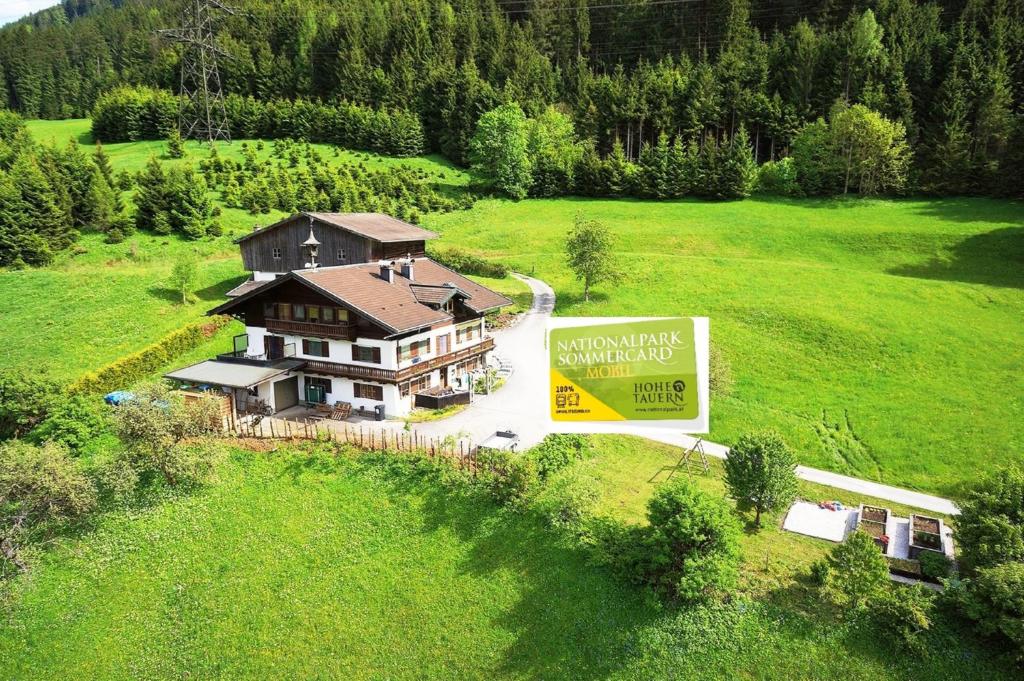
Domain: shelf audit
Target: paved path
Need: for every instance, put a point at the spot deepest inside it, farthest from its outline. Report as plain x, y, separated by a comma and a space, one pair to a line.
517, 407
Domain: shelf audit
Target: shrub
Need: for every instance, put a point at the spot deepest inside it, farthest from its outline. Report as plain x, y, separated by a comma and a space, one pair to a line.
990, 527
934, 565
25, 399
760, 473
903, 611
467, 263
689, 551
853, 573
72, 421
567, 500
510, 478
778, 177
558, 450
38, 485
995, 599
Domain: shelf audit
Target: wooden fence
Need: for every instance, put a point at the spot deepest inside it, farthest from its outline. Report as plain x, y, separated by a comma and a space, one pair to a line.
460, 451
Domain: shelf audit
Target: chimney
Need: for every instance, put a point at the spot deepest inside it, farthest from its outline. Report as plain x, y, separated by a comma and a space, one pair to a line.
407, 271
386, 273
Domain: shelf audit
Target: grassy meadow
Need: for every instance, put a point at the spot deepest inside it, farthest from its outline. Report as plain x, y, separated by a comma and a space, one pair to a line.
101, 301
883, 339
314, 565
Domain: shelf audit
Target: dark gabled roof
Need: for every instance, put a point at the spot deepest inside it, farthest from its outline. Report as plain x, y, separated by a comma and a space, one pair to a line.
396, 306
245, 287
376, 226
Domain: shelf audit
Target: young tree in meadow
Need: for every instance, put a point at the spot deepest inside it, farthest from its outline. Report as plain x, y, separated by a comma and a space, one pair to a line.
102, 161
854, 573
760, 473
690, 549
498, 150
175, 145
184, 278
151, 197
590, 253
158, 426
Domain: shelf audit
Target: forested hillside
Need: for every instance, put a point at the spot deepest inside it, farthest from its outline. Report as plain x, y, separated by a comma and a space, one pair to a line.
952, 73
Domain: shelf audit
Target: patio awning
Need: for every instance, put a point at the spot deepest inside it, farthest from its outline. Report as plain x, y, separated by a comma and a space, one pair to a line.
227, 374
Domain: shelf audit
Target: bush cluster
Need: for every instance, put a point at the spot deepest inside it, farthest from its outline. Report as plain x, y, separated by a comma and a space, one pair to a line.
141, 113
137, 366
300, 179
467, 263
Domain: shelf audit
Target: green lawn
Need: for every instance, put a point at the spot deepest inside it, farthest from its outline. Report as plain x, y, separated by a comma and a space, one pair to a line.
298, 566
628, 470
883, 339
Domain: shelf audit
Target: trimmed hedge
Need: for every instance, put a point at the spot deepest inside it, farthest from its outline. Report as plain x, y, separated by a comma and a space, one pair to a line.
136, 113
138, 366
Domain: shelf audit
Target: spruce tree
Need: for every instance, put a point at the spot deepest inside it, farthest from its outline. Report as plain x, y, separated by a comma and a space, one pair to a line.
151, 198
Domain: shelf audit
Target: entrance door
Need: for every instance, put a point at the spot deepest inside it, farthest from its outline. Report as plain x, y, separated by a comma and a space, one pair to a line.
274, 346
286, 393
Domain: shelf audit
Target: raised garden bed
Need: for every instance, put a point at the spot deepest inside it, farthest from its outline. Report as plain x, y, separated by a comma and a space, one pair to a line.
440, 399
874, 521
925, 535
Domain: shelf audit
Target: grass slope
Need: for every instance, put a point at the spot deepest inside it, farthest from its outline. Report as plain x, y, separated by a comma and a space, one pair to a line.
102, 301
882, 338
299, 566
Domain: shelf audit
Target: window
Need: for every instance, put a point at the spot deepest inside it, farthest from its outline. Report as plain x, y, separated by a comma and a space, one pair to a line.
277, 254
443, 343
327, 315
313, 314
363, 353
467, 333
341, 255
414, 349
315, 348
418, 384
270, 310
368, 392
299, 312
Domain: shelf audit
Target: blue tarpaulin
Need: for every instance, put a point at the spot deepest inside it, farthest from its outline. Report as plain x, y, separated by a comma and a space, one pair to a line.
118, 397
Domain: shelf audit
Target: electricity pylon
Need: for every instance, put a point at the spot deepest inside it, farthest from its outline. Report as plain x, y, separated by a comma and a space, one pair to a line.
201, 113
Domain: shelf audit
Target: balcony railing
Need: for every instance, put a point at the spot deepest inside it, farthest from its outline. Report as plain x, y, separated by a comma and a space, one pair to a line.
317, 366
311, 329
486, 345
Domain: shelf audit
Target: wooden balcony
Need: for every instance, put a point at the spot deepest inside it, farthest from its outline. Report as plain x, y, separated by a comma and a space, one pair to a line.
317, 366
485, 345
310, 329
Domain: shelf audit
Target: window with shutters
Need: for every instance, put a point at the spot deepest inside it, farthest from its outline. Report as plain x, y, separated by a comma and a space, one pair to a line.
364, 353
316, 348
414, 349
466, 333
368, 392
